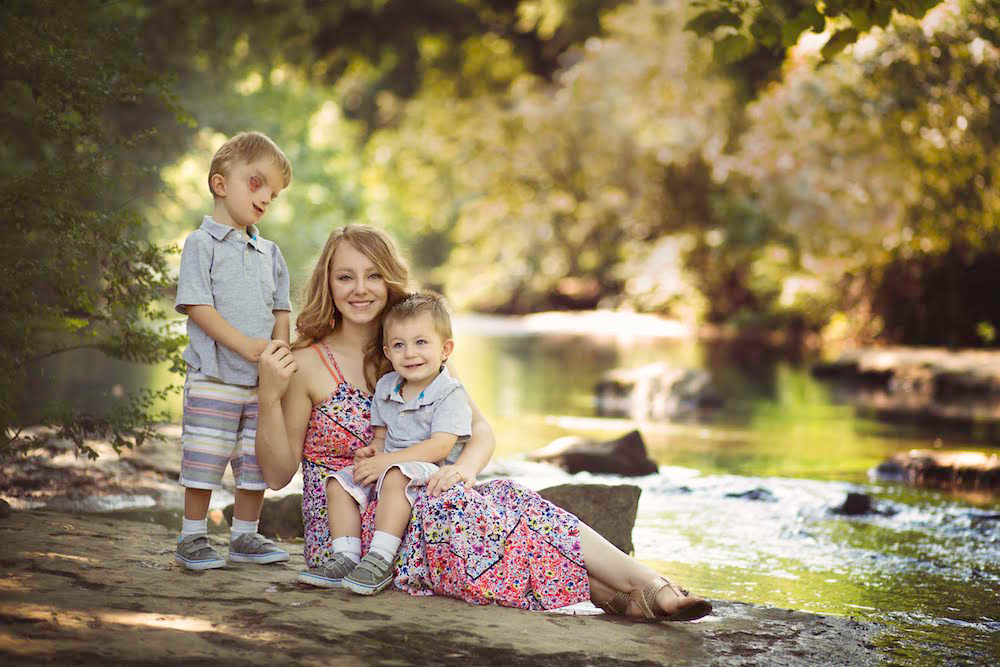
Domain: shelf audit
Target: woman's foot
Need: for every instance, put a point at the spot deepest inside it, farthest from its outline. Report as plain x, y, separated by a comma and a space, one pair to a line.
665, 601
659, 600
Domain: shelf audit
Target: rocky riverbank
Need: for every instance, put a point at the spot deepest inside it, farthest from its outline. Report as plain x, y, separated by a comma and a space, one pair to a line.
930, 386
102, 588
97, 589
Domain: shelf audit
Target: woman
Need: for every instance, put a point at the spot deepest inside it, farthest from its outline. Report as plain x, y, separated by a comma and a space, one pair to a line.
496, 542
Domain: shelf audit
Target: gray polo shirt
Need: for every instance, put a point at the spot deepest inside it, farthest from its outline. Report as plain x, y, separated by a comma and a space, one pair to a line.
442, 407
245, 279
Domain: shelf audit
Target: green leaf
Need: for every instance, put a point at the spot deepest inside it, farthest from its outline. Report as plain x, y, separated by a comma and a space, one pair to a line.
791, 30
812, 18
731, 48
914, 8
860, 19
707, 22
838, 41
882, 14
766, 29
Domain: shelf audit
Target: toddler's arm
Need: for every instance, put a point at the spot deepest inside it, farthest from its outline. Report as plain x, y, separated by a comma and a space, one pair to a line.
221, 331
282, 327
432, 450
377, 445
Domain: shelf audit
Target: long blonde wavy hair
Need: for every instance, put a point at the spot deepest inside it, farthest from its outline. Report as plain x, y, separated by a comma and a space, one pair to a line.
319, 317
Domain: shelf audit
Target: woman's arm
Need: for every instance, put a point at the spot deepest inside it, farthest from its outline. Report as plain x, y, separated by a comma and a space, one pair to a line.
475, 455
284, 408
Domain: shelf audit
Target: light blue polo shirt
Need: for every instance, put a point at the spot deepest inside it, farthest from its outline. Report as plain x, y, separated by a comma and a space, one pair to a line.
443, 407
245, 278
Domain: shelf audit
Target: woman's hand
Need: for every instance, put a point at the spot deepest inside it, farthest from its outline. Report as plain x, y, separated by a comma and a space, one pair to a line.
275, 367
368, 470
448, 476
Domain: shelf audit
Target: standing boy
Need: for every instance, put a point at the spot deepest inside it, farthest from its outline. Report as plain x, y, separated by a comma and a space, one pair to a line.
233, 286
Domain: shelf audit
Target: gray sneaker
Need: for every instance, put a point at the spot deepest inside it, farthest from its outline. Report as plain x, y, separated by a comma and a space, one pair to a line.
195, 553
370, 576
329, 574
255, 548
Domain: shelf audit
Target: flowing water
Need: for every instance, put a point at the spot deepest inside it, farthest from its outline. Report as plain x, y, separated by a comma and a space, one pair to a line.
741, 507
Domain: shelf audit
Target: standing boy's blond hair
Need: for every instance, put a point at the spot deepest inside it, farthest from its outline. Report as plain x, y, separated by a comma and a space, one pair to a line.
247, 147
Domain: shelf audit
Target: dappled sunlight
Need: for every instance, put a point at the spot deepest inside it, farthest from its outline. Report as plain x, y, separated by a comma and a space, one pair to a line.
164, 621
92, 621
60, 556
14, 585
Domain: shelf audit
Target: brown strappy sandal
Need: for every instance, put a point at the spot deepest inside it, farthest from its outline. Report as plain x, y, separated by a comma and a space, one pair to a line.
650, 609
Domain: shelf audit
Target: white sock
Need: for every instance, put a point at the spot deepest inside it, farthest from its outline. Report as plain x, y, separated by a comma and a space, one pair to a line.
240, 527
194, 526
349, 546
385, 545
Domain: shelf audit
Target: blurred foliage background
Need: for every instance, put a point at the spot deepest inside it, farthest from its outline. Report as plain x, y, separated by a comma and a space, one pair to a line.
824, 170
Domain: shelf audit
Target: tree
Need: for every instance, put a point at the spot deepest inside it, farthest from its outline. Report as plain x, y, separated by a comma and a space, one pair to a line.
80, 273
551, 194
883, 164
752, 37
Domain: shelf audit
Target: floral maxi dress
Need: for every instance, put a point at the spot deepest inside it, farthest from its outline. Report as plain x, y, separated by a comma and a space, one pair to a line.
497, 542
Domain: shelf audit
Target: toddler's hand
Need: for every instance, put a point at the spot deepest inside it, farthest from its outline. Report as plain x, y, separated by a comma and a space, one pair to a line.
368, 470
365, 452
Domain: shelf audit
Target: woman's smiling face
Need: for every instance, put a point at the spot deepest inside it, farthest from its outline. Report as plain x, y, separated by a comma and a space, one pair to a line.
359, 289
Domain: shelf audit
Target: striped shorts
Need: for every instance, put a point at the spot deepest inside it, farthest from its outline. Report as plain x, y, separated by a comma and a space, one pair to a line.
219, 428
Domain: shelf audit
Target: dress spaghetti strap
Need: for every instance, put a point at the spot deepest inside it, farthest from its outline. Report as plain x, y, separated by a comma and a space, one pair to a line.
326, 356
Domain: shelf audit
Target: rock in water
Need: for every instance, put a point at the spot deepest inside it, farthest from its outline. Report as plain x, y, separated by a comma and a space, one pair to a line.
623, 456
856, 504
279, 517
966, 471
758, 494
610, 510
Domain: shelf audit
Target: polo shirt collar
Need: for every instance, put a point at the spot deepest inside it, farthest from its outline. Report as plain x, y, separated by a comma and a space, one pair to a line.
431, 392
219, 232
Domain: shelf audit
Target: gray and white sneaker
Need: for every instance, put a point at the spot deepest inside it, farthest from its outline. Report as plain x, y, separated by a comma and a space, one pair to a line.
371, 575
329, 574
195, 553
255, 548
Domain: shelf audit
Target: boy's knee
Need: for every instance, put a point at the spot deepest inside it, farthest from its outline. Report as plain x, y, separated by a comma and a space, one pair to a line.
395, 478
336, 491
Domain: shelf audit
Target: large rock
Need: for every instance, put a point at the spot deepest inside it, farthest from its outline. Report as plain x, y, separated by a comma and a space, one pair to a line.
279, 517
966, 471
623, 456
928, 386
610, 510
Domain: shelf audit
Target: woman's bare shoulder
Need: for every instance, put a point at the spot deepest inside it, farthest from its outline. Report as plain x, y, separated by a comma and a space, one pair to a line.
313, 376
304, 354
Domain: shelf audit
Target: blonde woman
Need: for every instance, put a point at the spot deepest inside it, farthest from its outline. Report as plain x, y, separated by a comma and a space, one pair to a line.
496, 542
